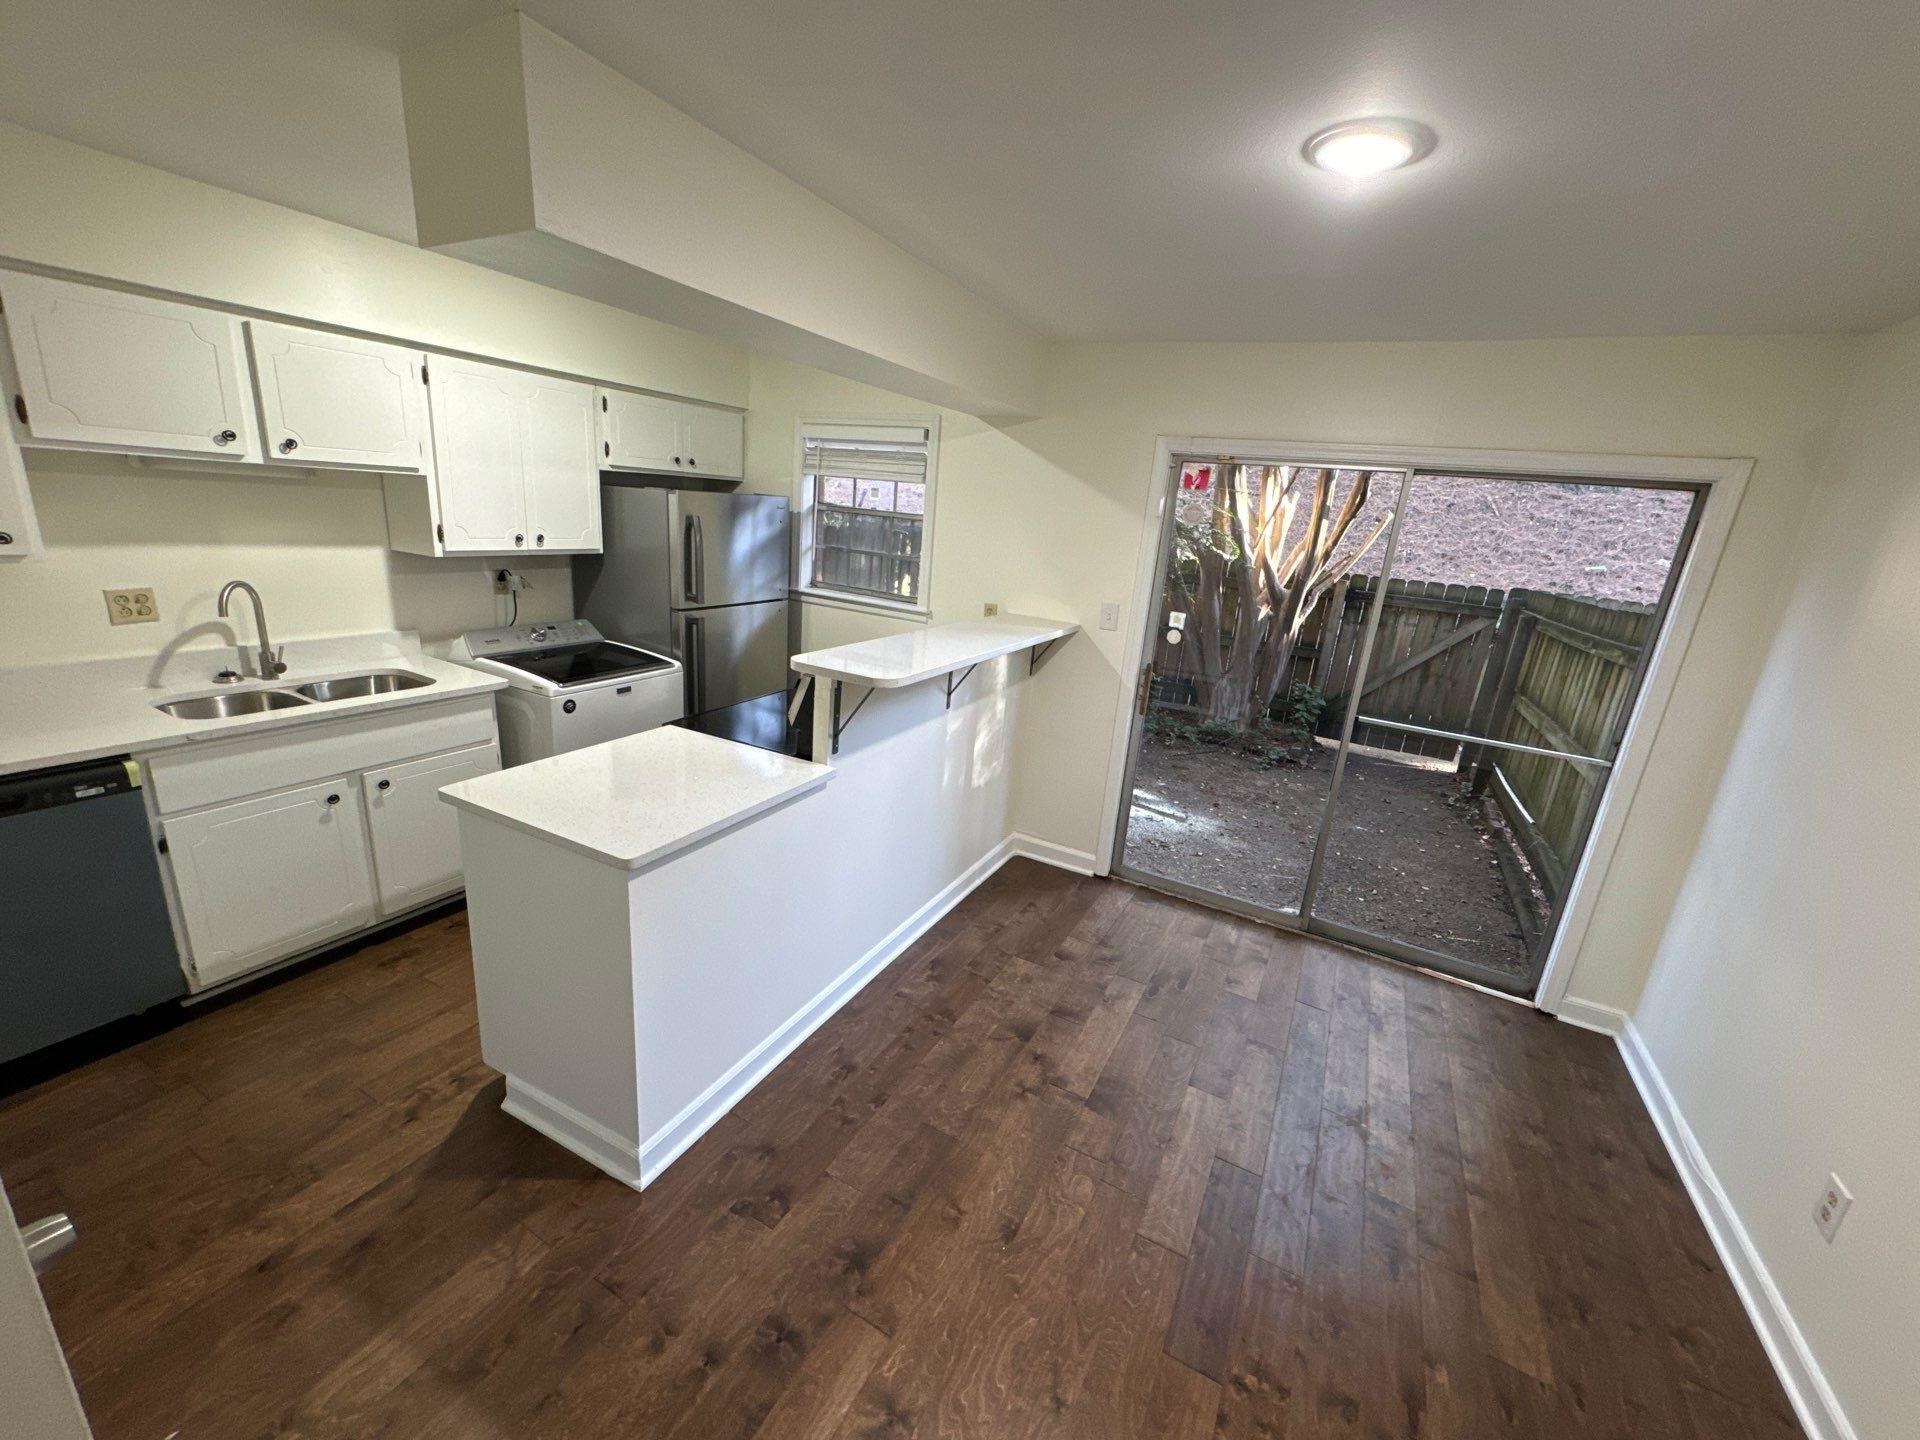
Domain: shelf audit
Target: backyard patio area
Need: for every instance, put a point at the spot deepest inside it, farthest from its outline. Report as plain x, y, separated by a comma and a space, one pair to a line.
1409, 859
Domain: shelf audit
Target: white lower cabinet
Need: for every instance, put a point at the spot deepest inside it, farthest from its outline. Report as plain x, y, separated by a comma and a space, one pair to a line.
416, 837
266, 877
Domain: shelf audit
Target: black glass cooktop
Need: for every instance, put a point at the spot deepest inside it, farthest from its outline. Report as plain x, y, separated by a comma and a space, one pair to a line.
576, 664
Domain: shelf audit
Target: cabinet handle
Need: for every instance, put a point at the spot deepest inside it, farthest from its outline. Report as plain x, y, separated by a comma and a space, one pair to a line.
224, 437
289, 445
5, 538
676, 459
692, 461
384, 785
333, 799
519, 539
539, 539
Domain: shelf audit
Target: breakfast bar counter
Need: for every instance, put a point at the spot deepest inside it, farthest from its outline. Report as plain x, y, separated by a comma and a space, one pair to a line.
659, 920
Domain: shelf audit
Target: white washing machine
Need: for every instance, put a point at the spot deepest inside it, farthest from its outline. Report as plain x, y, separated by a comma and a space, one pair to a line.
567, 687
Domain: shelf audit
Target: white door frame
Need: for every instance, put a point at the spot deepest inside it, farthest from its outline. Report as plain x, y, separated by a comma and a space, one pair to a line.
1725, 482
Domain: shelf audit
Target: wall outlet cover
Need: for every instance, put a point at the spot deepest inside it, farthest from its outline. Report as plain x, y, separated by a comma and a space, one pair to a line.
1109, 616
131, 605
990, 610
1835, 1201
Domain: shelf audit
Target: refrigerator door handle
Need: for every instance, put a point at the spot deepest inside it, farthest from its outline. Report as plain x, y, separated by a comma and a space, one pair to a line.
696, 665
694, 580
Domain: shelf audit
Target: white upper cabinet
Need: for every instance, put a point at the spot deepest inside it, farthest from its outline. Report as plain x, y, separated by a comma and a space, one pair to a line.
334, 400
513, 461
479, 457
19, 530
99, 369
648, 432
715, 440
562, 481
638, 432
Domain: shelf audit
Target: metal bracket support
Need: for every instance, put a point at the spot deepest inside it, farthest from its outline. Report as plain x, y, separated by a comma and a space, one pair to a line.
953, 684
839, 723
1039, 653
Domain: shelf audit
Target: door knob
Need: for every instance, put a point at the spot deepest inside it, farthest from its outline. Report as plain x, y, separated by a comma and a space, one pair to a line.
47, 1240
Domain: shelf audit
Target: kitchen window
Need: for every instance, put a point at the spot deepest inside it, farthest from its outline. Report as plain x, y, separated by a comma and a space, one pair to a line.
866, 510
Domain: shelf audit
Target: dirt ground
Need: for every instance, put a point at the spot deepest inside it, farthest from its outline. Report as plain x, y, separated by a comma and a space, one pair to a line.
1408, 861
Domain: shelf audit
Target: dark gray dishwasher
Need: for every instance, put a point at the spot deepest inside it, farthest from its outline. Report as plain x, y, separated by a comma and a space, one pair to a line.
84, 935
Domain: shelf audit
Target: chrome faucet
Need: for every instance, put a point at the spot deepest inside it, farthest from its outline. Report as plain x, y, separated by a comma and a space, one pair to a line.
268, 661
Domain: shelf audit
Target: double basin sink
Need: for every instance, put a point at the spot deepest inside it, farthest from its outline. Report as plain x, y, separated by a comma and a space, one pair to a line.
314, 692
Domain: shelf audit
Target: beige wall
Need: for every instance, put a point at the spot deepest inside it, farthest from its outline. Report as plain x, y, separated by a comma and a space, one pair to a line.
1769, 399
71, 208
315, 546
1782, 1007
1047, 518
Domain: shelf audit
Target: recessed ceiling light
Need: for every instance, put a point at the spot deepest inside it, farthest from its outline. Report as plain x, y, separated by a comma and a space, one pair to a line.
1369, 147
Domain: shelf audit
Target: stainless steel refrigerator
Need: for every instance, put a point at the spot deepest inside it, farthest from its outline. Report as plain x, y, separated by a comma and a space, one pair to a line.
703, 576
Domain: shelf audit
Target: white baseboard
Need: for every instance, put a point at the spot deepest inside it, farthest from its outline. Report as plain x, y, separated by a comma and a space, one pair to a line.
666, 1144
1589, 1015
566, 1126
1806, 1385
1063, 856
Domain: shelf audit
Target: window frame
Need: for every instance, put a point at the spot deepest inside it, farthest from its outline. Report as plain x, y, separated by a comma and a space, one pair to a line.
893, 429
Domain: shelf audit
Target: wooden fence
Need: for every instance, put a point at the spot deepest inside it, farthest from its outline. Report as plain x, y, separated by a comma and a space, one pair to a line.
1521, 665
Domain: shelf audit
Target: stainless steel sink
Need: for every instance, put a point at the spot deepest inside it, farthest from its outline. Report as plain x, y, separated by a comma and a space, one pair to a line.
349, 687
221, 707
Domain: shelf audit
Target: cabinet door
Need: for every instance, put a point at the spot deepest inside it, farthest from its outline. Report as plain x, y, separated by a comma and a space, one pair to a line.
97, 369
416, 835
639, 432
19, 530
715, 441
334, 400
562, 480
479, 456
270, 876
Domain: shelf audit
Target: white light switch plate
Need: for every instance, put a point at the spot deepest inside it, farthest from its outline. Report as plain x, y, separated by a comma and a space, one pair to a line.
1109, 616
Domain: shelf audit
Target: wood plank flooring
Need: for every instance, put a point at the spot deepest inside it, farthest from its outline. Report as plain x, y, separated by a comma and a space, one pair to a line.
1086, 1162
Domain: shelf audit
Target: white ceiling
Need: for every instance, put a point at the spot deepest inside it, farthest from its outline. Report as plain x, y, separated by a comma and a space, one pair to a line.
1129, 168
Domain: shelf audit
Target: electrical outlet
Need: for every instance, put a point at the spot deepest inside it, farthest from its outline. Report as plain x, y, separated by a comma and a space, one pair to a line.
502, 581
991, 609
131, 605
1835, 1201
1109, 616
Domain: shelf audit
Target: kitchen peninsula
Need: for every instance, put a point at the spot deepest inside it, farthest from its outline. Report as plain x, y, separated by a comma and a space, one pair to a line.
659, 920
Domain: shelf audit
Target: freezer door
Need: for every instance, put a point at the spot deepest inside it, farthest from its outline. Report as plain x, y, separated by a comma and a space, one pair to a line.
726, 549
733, 653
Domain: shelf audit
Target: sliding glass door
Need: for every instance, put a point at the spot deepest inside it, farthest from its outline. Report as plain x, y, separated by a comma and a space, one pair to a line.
1384, 705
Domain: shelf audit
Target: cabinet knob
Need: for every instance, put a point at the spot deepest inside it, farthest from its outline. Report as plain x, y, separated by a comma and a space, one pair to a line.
224, 437
5, 538
384, 785
519, 539
676, 459
692, 461
333, 799
539, 539
289, 445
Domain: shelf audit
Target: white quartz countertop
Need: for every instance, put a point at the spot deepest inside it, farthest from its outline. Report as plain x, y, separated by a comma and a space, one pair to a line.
61, 714
634, 801
894, 661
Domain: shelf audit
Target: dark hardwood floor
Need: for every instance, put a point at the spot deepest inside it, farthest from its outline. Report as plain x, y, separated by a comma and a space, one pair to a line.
1086, 1162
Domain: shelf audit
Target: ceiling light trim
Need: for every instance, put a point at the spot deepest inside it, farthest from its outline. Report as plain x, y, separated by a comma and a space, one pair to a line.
1419, 141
